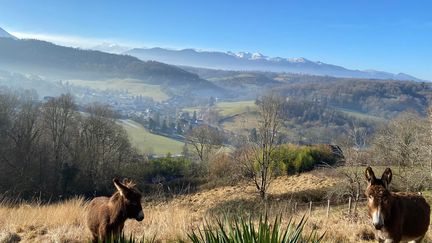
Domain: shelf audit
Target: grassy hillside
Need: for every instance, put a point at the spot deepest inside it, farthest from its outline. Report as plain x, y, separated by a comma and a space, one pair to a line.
229, 108
134, 87
171, 220
237, 107
147, 142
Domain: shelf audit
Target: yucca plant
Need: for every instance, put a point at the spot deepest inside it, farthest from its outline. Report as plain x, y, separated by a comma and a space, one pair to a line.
239, 230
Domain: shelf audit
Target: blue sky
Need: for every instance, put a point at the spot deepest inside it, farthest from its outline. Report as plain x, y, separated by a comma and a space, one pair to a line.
394, 36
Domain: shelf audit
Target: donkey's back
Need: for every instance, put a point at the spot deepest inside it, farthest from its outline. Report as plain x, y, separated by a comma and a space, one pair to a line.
413, 213
98, 215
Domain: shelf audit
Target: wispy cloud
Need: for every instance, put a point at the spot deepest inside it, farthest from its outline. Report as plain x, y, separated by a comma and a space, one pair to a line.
67, 40
107, 45
103, 44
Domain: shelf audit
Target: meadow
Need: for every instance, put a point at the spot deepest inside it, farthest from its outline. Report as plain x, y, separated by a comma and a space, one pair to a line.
171, 219
229, 108
134, 87
147, 142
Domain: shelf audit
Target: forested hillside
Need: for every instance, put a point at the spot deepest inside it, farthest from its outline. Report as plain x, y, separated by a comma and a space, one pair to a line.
383, 98
44, 58
380, 98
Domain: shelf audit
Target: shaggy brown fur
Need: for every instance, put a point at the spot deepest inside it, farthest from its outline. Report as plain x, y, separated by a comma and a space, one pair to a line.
106, 215
397, 216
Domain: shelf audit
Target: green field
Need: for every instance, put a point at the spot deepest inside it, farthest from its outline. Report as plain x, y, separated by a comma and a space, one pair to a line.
360, 115
147, 142
134, 87
227, 109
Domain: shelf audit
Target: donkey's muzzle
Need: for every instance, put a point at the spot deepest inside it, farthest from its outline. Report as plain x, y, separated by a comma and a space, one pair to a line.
378, 226
140, 216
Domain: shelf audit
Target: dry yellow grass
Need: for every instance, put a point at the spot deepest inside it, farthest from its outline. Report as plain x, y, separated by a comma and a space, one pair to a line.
59, 222
171, 220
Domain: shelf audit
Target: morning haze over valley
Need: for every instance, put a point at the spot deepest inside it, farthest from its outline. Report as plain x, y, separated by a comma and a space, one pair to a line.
223, 121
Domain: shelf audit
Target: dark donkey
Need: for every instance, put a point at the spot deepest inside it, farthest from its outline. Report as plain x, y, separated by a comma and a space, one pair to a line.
106, 215
397, 216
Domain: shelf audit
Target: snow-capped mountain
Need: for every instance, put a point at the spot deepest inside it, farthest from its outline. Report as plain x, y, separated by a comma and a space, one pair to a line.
5, 34
256, 62
111, 48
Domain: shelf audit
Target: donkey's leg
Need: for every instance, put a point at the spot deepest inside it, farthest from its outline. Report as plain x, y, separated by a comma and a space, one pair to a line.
390, 241
418, 240
95, 239
104, 233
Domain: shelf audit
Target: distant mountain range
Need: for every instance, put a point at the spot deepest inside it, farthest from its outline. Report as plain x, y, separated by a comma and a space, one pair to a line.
256, 62
59, 62
241, 61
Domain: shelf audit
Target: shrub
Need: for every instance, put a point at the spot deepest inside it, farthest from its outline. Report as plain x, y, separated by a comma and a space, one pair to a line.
297, 159
223, 170
241, 230
304, 160
160, 175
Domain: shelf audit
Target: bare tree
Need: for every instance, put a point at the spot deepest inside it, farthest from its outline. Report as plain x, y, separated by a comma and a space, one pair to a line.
404, 142
204, 139
21, 136
57, 115
429, 144
356, 155
103, 145
255, 154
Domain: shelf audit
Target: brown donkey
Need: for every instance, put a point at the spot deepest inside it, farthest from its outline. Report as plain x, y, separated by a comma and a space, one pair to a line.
397, 216
106, 215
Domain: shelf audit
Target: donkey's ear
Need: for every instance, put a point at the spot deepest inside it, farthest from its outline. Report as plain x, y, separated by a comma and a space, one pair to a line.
120, 187
126, 181
369, 174
387, 176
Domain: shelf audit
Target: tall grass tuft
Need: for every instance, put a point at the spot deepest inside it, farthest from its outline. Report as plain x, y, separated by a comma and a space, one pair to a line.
239, 230
124, 239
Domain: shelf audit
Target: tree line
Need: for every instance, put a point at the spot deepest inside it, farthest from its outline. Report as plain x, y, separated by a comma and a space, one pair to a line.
55, 149
52, 149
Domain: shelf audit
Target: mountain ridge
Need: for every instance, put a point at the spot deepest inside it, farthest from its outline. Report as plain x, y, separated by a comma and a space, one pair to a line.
249, 61
46, 58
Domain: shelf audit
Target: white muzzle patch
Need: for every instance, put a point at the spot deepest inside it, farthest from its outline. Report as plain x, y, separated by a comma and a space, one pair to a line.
377, 219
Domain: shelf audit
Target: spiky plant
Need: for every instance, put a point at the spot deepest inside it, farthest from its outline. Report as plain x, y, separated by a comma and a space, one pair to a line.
239, 230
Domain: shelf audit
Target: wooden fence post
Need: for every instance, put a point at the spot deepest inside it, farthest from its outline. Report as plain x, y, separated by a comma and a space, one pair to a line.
310, 208
355, 204
328, 208
349, 206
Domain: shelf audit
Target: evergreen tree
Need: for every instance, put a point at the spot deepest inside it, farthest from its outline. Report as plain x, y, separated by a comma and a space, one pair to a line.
164, 128
179, 129
194, 117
